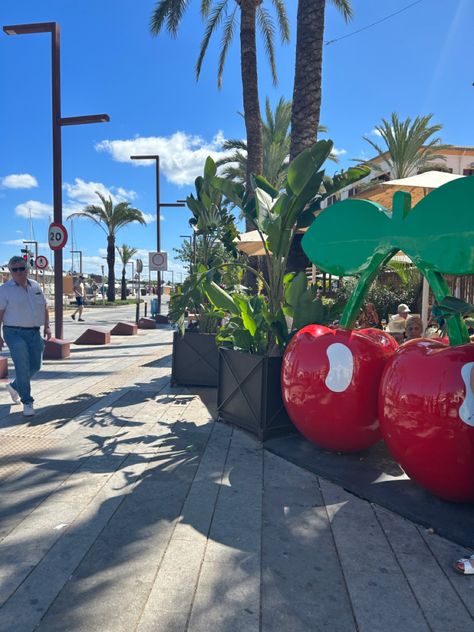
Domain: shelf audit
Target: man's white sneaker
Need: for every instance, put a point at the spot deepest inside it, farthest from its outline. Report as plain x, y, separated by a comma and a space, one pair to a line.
28, 410
13, 394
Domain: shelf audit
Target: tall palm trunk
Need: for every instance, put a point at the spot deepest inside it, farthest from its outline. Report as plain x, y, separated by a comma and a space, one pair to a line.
111, 266
253, 121
124, 285
308, 74
306, 96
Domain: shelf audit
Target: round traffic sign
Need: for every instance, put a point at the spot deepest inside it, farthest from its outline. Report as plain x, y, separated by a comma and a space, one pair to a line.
41, 262
158, 259
57, 236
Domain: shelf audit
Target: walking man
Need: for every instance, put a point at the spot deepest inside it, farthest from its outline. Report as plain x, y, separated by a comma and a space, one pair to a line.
23, 310
80, 294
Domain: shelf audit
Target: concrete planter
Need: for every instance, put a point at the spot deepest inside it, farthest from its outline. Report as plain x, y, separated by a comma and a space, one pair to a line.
195, 359
249, 394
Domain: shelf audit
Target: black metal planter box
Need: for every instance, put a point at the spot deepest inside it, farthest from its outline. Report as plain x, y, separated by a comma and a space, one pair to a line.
195, 359
249, 394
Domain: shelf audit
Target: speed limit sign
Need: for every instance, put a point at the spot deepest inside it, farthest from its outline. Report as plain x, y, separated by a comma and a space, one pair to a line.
57, 236
41, 262
158, 261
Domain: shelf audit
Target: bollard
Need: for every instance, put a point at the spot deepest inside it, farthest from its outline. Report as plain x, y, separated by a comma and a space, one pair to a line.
146, 305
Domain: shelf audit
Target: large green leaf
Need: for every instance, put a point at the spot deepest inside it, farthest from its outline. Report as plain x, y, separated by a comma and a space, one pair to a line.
209, 169
302, 169
220, 298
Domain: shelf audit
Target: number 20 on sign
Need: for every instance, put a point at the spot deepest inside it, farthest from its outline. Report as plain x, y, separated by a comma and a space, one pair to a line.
57, 236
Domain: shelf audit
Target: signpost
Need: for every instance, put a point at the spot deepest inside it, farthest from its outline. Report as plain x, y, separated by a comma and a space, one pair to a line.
41, 262
158, 261
57, 236
139, 267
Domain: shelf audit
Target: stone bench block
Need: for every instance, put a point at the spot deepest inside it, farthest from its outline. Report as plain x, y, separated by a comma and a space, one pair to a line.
94, 336
57, 349
147, 323
124, 329
3, 367
162, 320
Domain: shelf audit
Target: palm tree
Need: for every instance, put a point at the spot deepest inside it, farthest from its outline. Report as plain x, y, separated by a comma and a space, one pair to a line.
125, 253
308, 70
409, 146
110, 218
276, 147
225, 12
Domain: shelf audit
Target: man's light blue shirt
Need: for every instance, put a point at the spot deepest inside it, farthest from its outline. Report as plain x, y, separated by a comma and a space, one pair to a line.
24, 307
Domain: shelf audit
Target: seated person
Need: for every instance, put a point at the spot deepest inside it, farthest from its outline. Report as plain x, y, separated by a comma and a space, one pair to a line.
368, 316
396, 328
413, 328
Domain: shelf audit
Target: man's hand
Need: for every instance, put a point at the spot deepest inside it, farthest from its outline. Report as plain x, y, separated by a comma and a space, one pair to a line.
47, 332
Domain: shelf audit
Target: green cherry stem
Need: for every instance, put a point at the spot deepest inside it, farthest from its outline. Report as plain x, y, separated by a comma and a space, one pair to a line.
457, 330
352, 309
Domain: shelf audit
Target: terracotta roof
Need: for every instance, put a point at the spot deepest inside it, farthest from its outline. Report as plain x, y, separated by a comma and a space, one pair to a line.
382, 194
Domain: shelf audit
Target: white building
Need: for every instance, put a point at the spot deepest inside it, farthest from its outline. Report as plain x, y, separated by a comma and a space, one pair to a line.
459, 160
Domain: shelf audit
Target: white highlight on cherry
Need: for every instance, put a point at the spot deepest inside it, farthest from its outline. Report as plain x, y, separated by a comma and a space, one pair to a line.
466, 410
341, 367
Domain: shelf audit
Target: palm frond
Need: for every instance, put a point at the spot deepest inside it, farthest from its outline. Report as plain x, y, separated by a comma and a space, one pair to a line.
169, 11
267, 30
227, 38
216, 17
282, 19
345, 7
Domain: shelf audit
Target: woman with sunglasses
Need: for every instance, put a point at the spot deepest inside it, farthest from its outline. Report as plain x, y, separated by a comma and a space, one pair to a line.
23, 311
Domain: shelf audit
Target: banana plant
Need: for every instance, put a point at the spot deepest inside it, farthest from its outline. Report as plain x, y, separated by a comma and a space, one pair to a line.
357, 237
277, 215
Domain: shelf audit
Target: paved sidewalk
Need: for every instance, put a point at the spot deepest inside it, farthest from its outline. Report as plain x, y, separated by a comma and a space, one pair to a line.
124, 507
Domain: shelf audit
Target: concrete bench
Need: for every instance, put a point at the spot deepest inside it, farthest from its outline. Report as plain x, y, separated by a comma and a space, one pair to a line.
124, 329
94, 336
57, 349
147, 323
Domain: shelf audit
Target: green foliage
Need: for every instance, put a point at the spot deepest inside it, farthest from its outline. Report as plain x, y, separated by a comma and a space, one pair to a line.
409, 147
169, 13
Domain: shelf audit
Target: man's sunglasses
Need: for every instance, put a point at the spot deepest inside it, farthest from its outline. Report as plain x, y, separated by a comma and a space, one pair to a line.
22, 269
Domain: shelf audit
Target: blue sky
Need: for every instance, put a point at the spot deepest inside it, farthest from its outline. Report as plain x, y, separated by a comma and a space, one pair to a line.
417, 62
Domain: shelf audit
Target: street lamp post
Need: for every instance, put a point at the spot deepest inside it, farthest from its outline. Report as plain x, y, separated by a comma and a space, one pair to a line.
159, 205
80, 259
57, 123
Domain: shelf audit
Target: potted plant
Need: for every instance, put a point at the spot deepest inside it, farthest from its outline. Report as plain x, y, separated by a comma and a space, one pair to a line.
259, 326
195, 355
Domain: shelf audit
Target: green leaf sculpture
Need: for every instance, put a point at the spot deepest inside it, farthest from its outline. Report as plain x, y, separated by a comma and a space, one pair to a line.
356, 237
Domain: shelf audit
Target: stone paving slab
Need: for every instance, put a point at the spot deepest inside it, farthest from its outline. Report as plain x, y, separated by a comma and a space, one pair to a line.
142, 514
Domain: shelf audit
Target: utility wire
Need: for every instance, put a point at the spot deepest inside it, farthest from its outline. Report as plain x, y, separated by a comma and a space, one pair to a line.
369, 26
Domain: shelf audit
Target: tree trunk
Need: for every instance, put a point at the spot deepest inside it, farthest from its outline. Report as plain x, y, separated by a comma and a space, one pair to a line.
308, 72
248, 63
124, 285
306, 107
111, 267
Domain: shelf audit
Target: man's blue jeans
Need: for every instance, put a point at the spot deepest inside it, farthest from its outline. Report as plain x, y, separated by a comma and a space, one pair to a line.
26, 349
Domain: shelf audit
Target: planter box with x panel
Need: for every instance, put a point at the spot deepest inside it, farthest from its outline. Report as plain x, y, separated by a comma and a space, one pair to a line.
249, 393
195, 359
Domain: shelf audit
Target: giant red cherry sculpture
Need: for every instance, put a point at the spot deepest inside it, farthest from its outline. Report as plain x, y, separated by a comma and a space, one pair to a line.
426, 411
330, 380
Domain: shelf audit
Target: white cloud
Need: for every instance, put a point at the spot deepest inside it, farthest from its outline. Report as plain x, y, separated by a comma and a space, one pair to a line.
19, 181
375, 132
150, 217
38, 210
20, 242
83, 193
339, 152
182, 155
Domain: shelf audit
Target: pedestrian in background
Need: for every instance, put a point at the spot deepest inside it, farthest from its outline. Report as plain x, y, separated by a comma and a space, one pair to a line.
80, 294
23, 311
